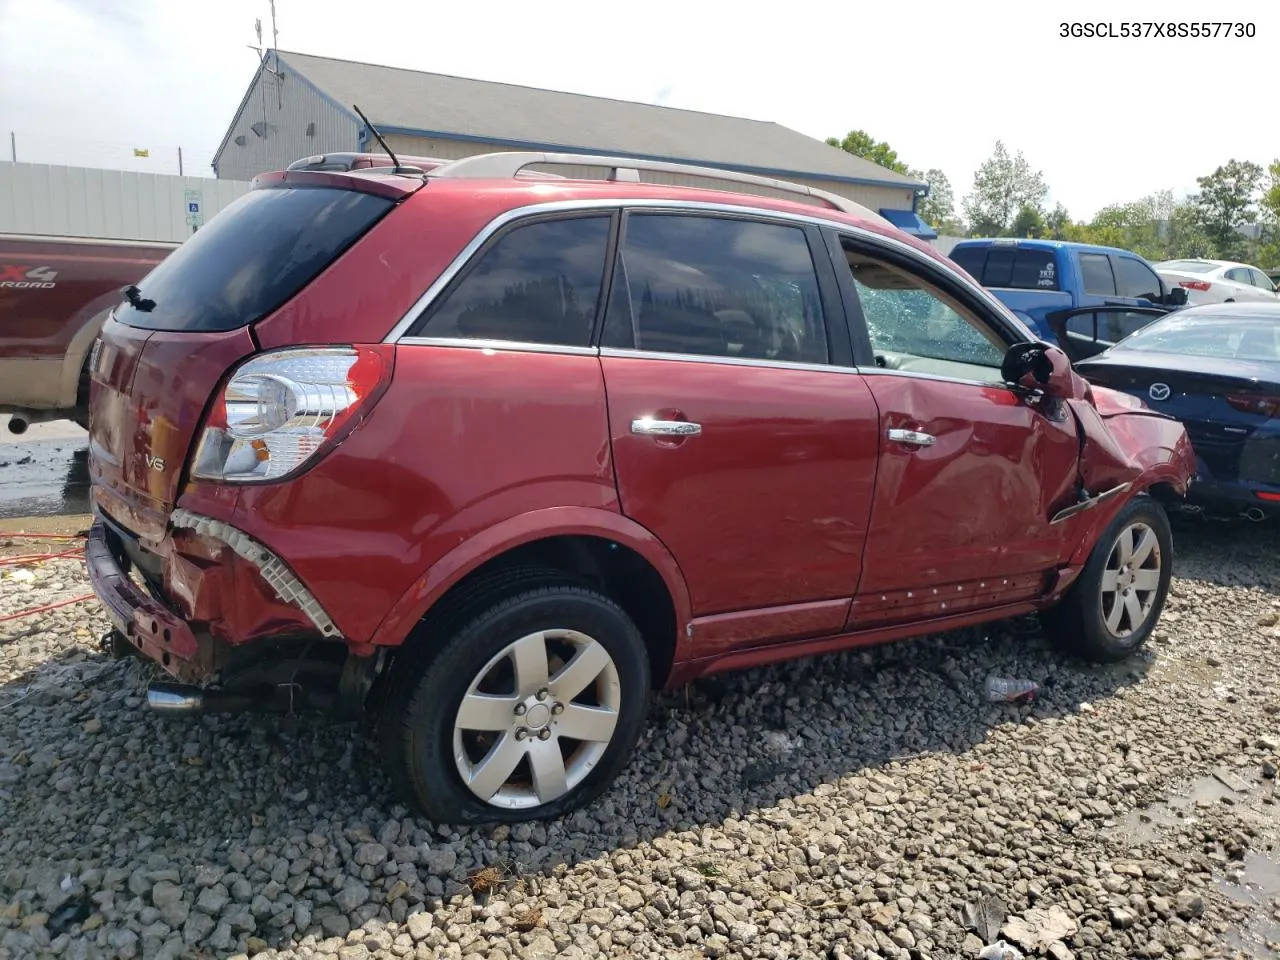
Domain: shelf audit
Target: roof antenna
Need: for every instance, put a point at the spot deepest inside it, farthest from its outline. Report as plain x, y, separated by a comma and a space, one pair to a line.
374, 130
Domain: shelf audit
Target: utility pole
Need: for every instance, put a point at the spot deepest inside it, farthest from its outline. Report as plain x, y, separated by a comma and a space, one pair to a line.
179, 161
13, 146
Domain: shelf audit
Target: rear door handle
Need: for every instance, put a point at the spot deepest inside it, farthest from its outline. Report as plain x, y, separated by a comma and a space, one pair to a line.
665, 428
913, 437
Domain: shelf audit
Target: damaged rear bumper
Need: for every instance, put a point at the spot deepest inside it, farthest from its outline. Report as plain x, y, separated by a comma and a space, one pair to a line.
157, 632
208, 589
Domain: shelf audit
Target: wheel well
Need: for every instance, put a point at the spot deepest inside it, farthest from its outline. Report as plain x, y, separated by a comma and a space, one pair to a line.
1164, 493
617, 571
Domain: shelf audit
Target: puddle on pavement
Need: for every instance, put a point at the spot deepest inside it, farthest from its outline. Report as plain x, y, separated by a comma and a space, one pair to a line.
1255, 884
44, 478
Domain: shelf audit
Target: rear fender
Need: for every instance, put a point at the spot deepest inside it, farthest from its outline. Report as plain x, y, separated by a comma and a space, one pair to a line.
526, 528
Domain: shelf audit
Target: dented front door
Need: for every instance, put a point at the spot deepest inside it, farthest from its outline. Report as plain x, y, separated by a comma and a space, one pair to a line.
969, 478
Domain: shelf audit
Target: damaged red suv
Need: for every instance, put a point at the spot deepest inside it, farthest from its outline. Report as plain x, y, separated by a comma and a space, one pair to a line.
489, 456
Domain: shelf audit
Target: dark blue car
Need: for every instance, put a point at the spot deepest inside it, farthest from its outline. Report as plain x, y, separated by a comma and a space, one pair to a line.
1216, 368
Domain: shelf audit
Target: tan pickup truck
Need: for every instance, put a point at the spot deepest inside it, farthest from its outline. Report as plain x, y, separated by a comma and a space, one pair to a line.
55, 293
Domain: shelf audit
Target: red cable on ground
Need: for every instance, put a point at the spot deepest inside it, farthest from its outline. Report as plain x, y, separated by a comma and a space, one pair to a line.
40, 557
47, 606
16, 535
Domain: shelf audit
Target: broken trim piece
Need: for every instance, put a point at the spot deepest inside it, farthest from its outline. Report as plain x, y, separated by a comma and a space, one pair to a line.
1090, 503
274, 570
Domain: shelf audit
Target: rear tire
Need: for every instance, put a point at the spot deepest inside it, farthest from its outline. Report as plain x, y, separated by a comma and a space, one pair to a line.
1114, 605
498, 724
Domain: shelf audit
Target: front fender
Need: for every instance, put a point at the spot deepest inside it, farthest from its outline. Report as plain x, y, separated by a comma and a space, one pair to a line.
1125, 442
517, 531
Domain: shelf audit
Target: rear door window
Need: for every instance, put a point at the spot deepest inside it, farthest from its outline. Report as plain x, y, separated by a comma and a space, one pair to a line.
716, 286
537, 283
1135, 279
251, 258
1099, 281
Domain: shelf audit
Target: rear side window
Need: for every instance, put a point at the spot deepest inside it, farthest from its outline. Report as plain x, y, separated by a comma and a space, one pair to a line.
538, 283
251, 258
1135, 279
1098, 278
716, 287
1019, 269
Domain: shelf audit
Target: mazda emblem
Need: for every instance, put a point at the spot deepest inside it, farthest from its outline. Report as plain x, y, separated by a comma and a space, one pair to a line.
1159, 391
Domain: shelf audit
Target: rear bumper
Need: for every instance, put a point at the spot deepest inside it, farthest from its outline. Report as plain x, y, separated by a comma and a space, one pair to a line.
1236, 496
157, 632
212, 592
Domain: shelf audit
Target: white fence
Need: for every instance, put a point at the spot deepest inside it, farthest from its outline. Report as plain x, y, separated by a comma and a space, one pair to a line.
40, 198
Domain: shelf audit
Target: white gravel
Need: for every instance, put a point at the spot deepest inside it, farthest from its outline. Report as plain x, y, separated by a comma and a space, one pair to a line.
863, 805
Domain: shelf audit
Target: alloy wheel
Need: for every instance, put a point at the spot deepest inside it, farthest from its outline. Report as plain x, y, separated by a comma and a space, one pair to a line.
1130, 580
537, 719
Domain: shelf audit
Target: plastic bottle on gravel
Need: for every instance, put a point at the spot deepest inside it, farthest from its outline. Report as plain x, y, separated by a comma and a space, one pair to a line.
1006, 690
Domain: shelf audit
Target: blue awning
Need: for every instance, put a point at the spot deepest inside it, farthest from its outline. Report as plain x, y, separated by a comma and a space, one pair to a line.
910, 222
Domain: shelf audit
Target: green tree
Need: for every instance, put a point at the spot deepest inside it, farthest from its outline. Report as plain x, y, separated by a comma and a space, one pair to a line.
862, 144
1226, 201
1269, 206
1028, 223
1058, 222
938, 209
1002, 187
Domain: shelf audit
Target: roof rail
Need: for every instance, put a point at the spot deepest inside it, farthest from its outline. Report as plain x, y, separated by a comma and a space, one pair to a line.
504, 166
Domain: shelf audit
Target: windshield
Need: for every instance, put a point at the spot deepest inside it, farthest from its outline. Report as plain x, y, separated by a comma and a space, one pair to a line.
1188, 266
250, 258
1224, 337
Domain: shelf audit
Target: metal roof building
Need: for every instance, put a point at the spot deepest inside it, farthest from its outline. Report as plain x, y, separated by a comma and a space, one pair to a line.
299, 105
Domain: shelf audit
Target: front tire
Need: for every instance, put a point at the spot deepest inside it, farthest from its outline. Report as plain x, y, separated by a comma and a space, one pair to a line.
529, 710
1114, 605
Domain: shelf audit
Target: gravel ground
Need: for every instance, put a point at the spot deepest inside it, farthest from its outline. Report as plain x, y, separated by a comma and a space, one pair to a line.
863, 805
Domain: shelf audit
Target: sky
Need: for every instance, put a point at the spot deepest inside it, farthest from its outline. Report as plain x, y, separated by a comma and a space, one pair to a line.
1106, 120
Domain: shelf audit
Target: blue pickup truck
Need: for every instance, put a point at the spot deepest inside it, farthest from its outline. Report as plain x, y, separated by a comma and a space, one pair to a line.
1082, 297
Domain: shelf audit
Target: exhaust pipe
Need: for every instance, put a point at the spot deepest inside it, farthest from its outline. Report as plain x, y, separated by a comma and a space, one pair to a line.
18, 424
184, 698
175, 698
1255, 514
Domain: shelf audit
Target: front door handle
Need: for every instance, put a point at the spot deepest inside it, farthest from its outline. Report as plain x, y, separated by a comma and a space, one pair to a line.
648, 427
913, 437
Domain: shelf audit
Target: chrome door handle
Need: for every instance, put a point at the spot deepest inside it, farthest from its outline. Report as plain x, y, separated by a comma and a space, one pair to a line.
665, 428
913, 437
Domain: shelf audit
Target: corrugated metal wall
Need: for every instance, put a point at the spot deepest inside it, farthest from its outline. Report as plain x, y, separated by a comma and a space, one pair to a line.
40, 198
873, 197
282, 121
944, 245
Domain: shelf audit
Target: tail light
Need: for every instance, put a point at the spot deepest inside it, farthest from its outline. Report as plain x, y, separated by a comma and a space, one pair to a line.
281, 410
1266, 406
1201, 285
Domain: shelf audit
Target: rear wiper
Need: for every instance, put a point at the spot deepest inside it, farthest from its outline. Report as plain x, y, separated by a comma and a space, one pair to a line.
137, 300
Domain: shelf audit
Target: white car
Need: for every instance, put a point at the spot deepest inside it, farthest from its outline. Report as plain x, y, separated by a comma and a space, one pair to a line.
1218, 281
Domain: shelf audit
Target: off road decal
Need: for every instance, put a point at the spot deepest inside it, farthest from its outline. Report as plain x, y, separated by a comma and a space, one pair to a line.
19, 277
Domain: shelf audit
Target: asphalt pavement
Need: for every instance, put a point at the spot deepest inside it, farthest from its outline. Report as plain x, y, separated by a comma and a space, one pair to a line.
44, 472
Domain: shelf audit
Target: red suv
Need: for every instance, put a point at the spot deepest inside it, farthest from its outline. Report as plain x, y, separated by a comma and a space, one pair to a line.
490, 456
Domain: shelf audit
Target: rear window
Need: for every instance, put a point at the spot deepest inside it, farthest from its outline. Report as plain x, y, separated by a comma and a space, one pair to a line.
1019, 269
251, 258
1188, 266
1224, 337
